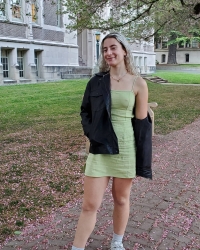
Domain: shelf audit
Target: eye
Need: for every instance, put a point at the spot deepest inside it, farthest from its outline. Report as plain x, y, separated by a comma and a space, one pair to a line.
113, 48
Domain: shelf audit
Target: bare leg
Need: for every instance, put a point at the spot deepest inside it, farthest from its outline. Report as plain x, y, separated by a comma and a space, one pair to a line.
94, 189
121, 194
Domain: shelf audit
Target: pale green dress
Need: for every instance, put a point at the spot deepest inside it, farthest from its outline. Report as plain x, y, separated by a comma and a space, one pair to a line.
120, 165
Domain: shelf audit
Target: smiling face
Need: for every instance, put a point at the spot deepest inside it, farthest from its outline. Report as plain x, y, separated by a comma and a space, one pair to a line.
113, 52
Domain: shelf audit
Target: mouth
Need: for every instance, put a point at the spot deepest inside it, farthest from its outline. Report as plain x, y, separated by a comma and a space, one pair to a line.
110, 58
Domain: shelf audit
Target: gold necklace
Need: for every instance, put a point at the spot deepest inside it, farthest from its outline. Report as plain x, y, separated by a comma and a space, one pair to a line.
119, 78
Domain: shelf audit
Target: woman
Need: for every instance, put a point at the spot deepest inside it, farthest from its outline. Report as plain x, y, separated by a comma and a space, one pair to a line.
107, 114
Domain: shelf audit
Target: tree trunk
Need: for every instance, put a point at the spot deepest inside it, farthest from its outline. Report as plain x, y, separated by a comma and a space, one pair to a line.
172, 52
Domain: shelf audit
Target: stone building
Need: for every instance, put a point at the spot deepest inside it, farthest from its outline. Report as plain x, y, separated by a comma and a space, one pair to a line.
187, 52
143, 52
35, 45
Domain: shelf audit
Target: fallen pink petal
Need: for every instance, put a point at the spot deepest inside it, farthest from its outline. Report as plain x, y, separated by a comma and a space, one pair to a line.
165, 212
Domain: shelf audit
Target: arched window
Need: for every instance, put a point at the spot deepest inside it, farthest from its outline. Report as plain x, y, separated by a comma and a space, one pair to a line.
163, 58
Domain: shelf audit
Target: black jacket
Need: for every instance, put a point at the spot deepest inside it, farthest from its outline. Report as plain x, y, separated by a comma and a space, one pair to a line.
97, 125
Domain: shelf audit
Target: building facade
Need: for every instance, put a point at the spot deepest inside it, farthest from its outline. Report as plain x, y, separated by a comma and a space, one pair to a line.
144, 57
35, 45
89, 46
187, 52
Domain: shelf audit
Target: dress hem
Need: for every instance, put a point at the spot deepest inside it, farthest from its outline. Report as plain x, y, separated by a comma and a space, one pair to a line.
99, 176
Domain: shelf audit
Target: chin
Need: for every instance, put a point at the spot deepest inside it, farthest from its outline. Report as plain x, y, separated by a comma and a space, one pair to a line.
112, 64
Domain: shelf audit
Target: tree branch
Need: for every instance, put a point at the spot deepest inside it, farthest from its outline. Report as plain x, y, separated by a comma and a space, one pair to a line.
141, 14
194, 18
156, 31
185, 5
182, 2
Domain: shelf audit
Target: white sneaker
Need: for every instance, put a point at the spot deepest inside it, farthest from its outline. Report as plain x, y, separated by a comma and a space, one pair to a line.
117, 246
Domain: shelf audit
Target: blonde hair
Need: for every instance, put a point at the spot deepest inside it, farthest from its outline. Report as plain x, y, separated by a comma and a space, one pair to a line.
128, 59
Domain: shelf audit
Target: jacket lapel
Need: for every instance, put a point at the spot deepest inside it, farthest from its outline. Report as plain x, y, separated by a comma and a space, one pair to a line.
106, 92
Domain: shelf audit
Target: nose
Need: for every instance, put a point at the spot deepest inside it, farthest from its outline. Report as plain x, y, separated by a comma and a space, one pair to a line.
109, 52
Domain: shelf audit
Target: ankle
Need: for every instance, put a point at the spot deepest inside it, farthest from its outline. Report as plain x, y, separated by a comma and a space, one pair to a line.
117, 238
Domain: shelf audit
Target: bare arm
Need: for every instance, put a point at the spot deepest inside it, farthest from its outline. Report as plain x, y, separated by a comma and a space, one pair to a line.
141, 90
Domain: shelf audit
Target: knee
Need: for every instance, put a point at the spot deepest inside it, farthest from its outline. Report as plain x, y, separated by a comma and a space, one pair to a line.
89, 207
121, 201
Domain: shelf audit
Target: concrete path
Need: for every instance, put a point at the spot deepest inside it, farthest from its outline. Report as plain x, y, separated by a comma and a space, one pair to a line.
165, 212
180, 84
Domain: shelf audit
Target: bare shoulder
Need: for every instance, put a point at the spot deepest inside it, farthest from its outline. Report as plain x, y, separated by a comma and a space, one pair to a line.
140, 85
140, 82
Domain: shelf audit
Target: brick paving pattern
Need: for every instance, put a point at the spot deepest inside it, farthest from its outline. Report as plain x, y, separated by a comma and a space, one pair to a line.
165, 212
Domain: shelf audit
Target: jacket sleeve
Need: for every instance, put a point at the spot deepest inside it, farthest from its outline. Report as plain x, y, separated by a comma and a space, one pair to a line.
143, 140
86, 113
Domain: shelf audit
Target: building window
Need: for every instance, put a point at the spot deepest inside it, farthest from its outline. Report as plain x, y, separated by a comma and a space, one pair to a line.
2, 8
36, 62
187, 57
164, 44
16, 9
195, 44
136, 61
34, 12
158, 43
187, 44
58, 13
181, 44
145, 64
20, 61
4, 62
140, 61
163, 58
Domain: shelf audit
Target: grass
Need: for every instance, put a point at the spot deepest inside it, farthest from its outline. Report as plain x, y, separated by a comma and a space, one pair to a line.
177, 106
190, 65
178, 77
41, 137
49, 104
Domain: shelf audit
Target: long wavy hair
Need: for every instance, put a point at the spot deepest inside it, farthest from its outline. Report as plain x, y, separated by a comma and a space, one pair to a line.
128, 59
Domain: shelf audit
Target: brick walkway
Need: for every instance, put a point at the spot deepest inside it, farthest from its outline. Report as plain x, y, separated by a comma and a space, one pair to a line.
165, 212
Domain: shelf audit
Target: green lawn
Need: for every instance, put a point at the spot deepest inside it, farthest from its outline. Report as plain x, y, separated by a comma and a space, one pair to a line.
178, 77
46, 105
41, 141
177, 106
190, 65
51, 106
40, 137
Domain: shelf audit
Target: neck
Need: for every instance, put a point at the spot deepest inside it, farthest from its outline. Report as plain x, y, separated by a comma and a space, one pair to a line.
118, 71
